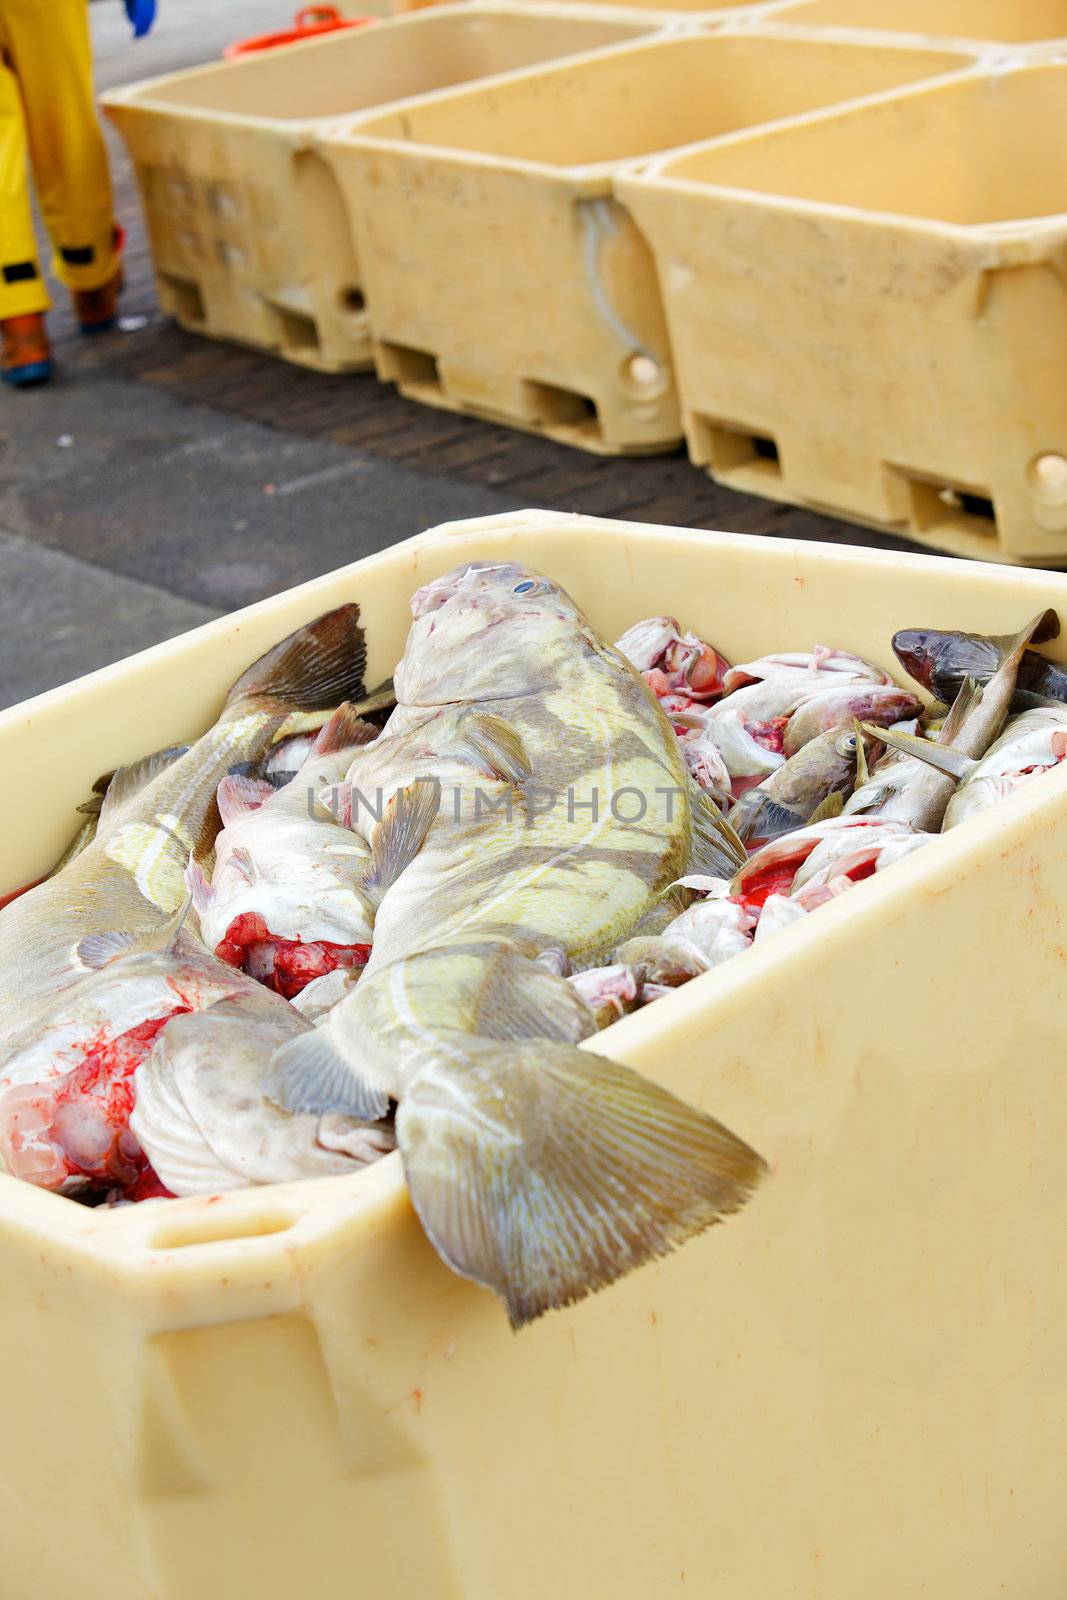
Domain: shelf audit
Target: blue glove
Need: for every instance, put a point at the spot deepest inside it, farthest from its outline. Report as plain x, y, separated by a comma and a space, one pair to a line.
142, 13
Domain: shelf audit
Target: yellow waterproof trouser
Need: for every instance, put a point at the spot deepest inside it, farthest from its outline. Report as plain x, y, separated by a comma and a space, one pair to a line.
46, 104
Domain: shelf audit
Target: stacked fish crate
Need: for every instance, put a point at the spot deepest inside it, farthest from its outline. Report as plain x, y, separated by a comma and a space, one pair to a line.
822, 240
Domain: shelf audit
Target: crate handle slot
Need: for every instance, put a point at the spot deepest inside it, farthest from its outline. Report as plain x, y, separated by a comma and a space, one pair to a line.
221, 1229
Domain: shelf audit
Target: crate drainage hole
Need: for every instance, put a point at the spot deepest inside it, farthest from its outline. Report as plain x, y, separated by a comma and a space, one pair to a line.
187, 303
218, 1230
554, 407
728, 448
297, 331
948, 506
412, 369
352, 300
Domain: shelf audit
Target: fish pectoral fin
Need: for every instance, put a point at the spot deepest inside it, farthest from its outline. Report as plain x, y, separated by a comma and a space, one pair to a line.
832, 806
766, 819
715, 848
544, 1172
97, 949
237, 796
345, 730
309, 1074
495, 745
199, 885
941, 756
399, 836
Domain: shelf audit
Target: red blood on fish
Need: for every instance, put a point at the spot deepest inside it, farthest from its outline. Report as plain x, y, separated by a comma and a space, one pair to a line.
771, 735
776, 879
90, 1107
149, 1186
285, 965
864, 870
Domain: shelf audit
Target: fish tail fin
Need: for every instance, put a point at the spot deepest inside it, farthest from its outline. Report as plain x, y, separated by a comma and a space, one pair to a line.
941, 756
1040, 629
313, 669
545, 1172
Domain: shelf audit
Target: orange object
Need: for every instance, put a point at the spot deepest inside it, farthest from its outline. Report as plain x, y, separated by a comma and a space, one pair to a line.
309, 23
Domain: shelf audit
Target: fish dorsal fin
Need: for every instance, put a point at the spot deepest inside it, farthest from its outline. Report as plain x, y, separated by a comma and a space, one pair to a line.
128, 781
399, 836
970, 695
832, 806
238, 796
715, 849
940, 756
496, 744
345, 730
97, 949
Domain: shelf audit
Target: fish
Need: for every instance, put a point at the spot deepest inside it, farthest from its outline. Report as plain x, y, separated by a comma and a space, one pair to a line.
538, 1170
792, 666
674, 664
609, 992
976, 718
702, 937
773, 868
156, 814
941, 661
777, 705
202, 1118
1033, 742
287, 900
790, 797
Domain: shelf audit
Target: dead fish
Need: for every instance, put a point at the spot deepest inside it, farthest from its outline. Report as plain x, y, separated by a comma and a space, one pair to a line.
831, 709
674, 663
942, 661
701, 938
537, 1169
288, 899
1033, 742
821, 663
155, 815
975, 720
289, 755
202, 1118
609, 992
798, 792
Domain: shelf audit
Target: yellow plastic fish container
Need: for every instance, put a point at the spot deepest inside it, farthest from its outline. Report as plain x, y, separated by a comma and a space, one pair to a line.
1012, 22
504, 278
856, 1386
247, 228
869, 310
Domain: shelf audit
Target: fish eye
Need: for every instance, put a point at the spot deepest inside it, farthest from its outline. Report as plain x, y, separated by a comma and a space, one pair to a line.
525, 587
847, 744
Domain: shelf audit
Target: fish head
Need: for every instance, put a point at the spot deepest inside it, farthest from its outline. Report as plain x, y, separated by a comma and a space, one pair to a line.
941, 661
488, 631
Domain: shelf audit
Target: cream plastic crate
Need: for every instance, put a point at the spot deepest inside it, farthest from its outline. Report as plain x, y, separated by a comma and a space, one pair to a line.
858, 1386
502, 276
869, 310
247, 228
1011, 22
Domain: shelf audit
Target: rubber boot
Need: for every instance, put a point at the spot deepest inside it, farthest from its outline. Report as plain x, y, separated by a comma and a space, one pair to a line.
27, 355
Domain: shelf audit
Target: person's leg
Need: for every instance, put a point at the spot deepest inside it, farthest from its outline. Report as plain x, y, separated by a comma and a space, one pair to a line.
48, 46
23, 296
